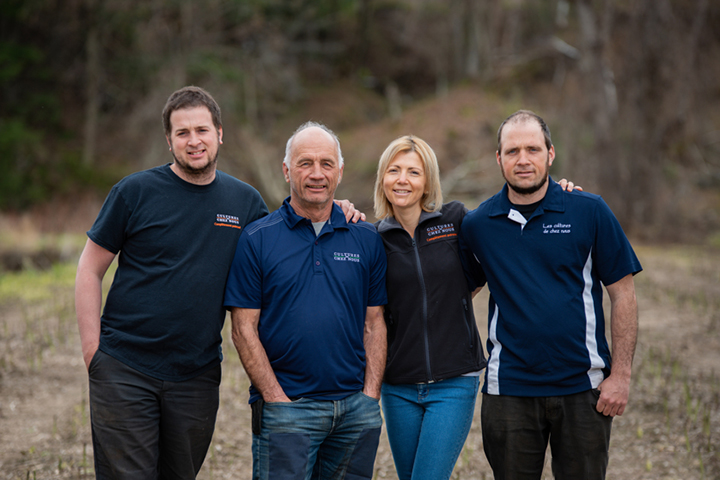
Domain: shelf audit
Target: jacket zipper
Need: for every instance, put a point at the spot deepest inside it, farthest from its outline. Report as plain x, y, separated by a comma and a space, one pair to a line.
424, 311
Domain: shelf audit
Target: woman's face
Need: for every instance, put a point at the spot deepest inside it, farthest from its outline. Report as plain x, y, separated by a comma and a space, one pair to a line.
404, 181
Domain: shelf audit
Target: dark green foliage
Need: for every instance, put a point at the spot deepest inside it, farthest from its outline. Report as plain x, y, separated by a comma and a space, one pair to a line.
260, 57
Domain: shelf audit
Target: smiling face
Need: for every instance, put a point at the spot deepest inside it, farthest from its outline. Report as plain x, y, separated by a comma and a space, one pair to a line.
194, 142
313, 174
525, 161
404, 181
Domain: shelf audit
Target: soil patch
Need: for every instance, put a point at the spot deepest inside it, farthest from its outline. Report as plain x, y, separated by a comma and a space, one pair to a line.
671, 429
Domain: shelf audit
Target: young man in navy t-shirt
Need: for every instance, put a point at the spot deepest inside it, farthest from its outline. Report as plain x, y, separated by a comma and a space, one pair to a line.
153, 354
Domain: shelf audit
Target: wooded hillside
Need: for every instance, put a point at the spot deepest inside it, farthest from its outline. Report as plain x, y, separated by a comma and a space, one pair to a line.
629, 88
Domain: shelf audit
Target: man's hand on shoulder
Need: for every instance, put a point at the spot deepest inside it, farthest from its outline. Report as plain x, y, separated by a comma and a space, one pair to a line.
351, 215
569, 186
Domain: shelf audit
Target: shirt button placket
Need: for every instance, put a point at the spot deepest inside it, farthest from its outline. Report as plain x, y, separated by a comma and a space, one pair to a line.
317, 267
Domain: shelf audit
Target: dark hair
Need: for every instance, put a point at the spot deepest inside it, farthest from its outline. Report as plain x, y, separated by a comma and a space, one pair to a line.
524, 116
190, 97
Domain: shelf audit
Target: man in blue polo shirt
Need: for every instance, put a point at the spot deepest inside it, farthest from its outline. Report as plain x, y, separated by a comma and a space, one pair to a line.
546, 254
306, 291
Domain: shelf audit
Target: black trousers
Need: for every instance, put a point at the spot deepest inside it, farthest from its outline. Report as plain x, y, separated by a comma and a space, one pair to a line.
145, 428
516, 431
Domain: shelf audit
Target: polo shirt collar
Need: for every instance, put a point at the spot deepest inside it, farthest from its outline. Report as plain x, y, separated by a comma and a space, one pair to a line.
292, 219
389, 223
553, 201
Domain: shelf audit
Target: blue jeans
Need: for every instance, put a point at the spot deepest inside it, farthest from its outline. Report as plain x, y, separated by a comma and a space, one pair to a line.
516, 431
427, 425
145, 428
318, 439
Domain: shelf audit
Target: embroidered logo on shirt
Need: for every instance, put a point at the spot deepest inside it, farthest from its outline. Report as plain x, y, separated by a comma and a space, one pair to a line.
441, 231
346, 257
557, 228
223, 220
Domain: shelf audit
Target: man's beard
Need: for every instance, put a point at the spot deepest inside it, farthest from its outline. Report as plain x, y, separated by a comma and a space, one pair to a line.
194, 171
532, 188
527, 190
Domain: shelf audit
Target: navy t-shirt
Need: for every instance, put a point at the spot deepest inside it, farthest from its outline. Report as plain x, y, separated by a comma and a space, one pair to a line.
164, 312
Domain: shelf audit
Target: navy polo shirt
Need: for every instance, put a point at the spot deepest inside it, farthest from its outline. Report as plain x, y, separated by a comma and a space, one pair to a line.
313, 293
545, 318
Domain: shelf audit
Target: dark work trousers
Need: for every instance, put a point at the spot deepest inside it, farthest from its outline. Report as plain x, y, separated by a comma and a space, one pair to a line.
516, 431
145, 428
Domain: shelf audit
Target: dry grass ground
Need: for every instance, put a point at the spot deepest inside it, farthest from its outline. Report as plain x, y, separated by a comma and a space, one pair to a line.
671, 429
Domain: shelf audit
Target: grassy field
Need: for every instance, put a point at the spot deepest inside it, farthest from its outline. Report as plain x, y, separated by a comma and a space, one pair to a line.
671, 429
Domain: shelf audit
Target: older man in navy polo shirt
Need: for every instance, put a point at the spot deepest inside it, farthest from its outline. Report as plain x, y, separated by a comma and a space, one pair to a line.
546, 254
306, 291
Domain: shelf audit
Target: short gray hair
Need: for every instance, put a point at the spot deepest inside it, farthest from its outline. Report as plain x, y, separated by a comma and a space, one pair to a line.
288, 146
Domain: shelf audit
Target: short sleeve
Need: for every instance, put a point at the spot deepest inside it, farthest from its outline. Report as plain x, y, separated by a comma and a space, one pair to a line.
377, 293
244, 284
615, 257
109, 229
474, 273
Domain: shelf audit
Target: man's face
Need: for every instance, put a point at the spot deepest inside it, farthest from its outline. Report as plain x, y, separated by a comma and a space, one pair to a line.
315, 170
524, 159
194, 141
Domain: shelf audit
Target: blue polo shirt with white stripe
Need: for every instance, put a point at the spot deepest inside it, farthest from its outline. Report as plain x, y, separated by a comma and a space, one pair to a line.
313, 292
545, 318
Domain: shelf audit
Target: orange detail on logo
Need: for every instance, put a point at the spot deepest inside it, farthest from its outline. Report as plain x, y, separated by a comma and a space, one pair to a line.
442, 236
227, 225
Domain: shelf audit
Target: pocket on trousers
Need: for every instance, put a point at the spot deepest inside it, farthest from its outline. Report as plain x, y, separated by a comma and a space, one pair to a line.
594, 397
376, 400
256, 409
94, 360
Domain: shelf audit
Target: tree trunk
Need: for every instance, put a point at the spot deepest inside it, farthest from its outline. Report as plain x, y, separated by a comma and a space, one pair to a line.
266, 165
472, 39
92, 96
605, 163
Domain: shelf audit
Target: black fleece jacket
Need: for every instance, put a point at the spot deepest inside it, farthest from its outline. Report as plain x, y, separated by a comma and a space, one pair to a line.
432, 333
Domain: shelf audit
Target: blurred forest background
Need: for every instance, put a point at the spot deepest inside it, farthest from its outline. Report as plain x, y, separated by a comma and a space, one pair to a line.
630, 90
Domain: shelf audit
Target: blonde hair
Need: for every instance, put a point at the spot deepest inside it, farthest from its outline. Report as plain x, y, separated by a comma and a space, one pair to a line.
432, 200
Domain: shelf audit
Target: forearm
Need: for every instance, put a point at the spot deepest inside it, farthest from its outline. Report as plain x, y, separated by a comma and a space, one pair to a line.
375, 340
93, 264
88, 304
615, 389
255, 360
624, 331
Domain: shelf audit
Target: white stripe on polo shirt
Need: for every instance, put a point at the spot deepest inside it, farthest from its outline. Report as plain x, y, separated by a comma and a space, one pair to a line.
595, 374
493, 367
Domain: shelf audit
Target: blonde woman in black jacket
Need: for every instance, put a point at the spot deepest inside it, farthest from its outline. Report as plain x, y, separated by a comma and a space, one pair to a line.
435, 355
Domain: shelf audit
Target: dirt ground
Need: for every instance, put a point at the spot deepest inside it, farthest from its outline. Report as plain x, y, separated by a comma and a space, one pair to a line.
671, 429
